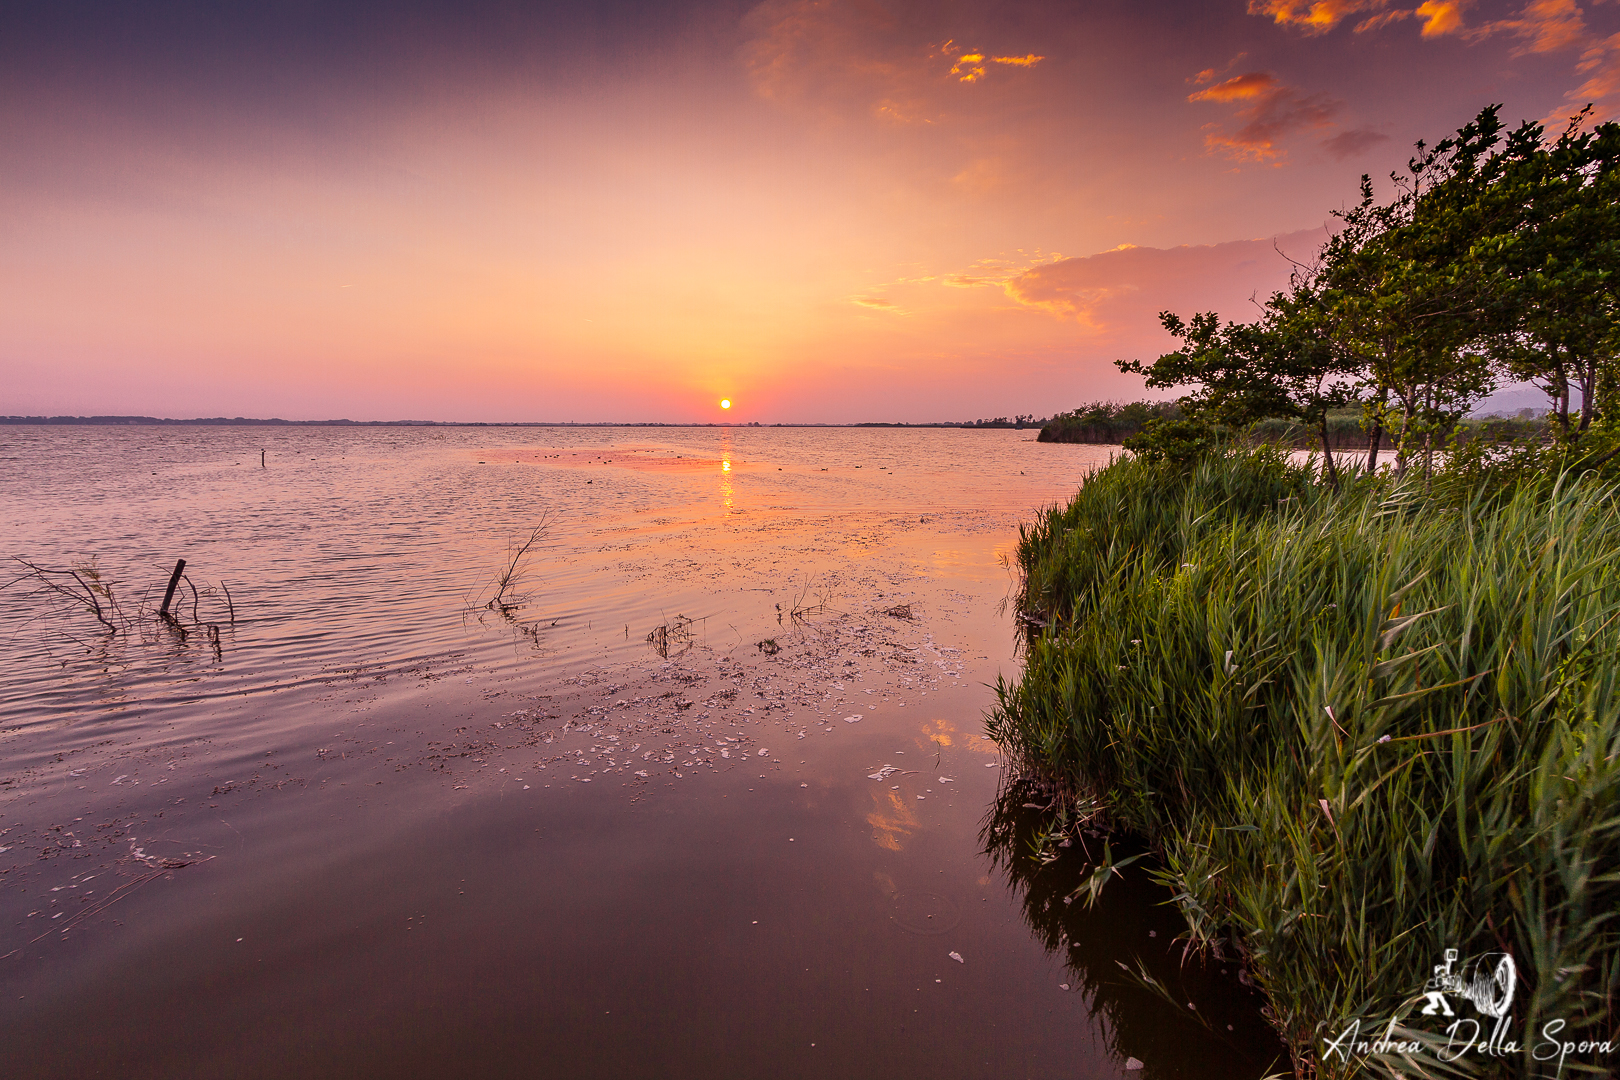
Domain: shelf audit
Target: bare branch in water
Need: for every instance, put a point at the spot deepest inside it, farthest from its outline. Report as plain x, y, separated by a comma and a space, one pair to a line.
514, 568
82, 596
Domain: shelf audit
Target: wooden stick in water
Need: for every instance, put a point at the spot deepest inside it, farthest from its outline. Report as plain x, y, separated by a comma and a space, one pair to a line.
174, 581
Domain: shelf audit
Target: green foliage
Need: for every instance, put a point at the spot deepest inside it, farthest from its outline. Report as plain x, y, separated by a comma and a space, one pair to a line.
1282, 366
1496, 256
1174, 442
1106, 421
1359, 729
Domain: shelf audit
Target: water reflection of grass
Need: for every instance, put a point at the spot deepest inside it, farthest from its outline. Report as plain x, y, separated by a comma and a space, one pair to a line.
1174, 1008
1358, 729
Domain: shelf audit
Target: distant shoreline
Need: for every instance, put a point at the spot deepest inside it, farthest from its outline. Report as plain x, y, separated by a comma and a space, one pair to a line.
239, 421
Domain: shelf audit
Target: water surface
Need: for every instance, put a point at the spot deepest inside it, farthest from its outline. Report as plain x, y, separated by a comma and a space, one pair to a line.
343, 819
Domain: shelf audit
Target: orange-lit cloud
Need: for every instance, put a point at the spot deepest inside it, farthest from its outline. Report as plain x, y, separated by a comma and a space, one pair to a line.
1316, 17
1600, 68
1541, 27
1440, 17
1544, 26
969, 67
1373, 22
1238, 88
846, 56
1272, 113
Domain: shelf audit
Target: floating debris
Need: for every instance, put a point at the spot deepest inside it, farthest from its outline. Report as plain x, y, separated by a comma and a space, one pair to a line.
957, 957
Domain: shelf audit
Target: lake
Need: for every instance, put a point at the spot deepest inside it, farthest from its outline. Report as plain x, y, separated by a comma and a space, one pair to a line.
705, 794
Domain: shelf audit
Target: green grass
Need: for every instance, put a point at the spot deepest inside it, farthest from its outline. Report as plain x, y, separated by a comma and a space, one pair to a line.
1356, 729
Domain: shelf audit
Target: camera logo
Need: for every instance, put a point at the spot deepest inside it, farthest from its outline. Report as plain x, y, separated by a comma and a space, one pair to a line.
1488, 985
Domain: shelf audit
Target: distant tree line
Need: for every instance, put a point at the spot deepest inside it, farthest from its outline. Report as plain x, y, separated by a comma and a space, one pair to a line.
1495, 258
1107, 421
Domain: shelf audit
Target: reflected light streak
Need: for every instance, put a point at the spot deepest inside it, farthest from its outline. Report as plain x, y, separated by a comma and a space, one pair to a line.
726, 489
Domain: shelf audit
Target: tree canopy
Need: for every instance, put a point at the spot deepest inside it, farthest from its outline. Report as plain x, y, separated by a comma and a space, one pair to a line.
1494, 257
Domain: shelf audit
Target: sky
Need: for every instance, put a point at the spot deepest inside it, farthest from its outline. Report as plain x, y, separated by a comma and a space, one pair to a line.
822, 210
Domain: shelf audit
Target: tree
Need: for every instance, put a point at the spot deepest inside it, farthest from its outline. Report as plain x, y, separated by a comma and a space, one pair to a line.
1497, 254
1283, 365
1560, 263
1402, 285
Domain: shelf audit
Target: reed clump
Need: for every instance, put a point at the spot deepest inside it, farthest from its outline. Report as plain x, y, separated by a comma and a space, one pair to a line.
1358, 729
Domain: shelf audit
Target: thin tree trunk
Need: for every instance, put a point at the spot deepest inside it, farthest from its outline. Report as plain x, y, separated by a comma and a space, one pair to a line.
1588, 377
1403, 445
1376, 436
1330, 471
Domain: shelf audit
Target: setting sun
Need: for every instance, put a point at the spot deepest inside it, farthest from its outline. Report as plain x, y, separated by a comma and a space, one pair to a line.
725, 403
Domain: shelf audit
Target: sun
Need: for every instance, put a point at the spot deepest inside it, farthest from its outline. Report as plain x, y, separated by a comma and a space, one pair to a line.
725, 403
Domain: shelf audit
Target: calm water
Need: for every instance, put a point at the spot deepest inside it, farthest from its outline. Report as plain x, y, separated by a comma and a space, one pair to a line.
710, 800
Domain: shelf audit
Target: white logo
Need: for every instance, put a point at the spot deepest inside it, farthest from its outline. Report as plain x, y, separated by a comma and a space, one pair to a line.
1486, 983
1488, 986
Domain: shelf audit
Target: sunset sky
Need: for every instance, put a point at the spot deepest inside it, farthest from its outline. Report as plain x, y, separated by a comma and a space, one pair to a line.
822, 210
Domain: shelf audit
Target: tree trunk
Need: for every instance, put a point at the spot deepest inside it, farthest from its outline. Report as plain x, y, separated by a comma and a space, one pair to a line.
1376, 436
1563, 404
1402, 445
1588, 380
1330, 471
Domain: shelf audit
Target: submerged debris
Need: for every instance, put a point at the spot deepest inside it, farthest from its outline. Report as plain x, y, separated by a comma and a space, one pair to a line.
675, 635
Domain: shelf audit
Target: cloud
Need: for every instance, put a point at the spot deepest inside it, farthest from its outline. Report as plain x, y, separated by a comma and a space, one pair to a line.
877, 303
1440, 17
1544, 26
1353, 143
1314, 18
970, 66
833, 54
1600, 66
1373, 22
1118, 294
1273, 111
849, 56
1237, 88
1541, 27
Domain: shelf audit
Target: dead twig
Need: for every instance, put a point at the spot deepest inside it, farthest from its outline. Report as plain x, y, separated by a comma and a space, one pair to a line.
514, 567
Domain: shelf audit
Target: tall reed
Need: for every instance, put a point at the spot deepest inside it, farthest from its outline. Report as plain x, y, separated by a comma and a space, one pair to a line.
1359, 729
